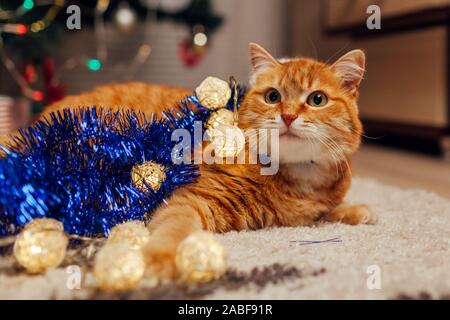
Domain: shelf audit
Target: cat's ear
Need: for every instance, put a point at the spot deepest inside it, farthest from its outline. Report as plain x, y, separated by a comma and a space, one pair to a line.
260, 59
350, 68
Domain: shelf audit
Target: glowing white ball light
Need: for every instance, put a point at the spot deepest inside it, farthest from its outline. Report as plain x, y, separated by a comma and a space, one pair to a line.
125, 17
200, 39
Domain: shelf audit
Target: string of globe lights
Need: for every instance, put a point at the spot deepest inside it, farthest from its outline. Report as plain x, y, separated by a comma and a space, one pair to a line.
125, 17
22, 29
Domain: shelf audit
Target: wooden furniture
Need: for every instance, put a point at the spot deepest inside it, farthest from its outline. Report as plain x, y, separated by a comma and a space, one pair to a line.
405, 97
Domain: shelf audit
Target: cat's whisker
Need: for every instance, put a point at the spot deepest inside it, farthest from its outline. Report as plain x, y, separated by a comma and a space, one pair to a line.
255, 140
331, 152
335, 150
340, 150
353, 130
336, 159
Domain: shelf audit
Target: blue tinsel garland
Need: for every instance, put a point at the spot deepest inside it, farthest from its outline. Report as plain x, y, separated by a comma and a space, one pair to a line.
75, 167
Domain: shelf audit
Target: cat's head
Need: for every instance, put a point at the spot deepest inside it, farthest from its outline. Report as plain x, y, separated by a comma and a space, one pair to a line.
313, 104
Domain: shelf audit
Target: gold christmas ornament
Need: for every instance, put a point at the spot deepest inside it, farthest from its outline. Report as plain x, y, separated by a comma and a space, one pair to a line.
44, 224
200, 258
219, 119
118, 267
41, 245
135, 233
149, 174
228, 141
222, 126
227, 138
213, 93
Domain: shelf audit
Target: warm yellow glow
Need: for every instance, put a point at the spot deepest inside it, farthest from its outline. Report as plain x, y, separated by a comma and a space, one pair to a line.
145, 50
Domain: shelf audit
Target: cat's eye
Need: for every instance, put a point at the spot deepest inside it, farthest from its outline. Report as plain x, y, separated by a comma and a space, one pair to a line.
317, 99
272, 96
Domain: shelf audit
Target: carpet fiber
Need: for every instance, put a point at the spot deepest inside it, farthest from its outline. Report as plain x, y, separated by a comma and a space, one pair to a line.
405, 255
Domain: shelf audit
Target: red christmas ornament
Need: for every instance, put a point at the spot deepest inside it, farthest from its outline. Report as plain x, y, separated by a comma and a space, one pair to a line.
48, 67
189, 53
55, 92
54, 89
29, 72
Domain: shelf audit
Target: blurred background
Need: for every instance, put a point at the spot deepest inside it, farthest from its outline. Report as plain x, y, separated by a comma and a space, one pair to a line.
53, 48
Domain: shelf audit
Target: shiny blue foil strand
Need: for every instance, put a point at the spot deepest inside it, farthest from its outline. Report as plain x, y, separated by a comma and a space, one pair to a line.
75, 166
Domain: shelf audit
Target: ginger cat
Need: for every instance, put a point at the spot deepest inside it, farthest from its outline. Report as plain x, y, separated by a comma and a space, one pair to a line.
314, 105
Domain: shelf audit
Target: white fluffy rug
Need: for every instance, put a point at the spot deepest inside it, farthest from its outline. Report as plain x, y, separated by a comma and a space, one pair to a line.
409, 249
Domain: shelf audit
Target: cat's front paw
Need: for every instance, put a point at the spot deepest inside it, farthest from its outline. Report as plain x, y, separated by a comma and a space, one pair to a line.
160, 263
364, 214
352, 214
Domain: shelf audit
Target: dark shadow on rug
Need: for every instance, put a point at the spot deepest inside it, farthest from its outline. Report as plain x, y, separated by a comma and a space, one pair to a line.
232, 280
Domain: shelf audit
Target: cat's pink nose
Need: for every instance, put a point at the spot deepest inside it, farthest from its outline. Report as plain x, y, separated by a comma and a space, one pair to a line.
288, 118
